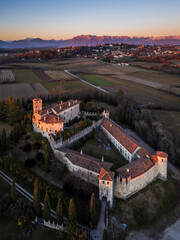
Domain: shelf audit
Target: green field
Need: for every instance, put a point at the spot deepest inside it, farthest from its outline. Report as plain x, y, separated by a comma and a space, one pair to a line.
25, 76
74, 85
92, 147
170, 120
98, 81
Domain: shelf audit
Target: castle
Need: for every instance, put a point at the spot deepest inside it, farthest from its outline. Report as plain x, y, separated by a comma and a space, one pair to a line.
145, 165
51, 119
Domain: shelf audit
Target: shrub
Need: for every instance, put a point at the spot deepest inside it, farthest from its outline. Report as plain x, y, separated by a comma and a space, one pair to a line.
54, 194
36, 146
24, 174
48, 189
60, 195
12, 167
42, 185
31, 178
30, 162
27, 137
18, 171
27, 147
39, 156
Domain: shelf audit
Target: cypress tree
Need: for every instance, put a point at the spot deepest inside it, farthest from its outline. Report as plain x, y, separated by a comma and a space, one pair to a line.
36, 202
98, 116
59, 212
93, 212
72, 221
13, 191
3, 139
46, 208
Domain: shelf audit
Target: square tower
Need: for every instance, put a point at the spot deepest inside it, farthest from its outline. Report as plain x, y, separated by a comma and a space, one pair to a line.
37, 105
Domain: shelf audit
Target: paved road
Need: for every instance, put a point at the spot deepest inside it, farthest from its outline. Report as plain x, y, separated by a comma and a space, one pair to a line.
98, 233
92, 85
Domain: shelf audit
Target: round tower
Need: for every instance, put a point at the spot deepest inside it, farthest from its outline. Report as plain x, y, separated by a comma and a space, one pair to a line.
162, 159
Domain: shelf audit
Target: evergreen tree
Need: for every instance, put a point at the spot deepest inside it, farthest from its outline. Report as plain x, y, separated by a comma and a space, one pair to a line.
98, 116
93, 212
122, 114
3, 139
72, 221
13, 111
36, 202
46, 208
13, 191
59, 212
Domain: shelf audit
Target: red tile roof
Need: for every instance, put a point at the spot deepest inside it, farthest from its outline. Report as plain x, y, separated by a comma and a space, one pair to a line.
85, 161
105, 175
50, 118
142, 152
136, 168
162, 154
120, 135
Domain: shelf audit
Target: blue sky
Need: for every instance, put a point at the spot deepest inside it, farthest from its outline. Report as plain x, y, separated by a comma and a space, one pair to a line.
62, 19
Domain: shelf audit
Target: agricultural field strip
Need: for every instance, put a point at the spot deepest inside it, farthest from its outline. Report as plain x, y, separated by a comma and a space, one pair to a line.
58, 75
6, 76
38, 87
16, 90
30, 197
99, 88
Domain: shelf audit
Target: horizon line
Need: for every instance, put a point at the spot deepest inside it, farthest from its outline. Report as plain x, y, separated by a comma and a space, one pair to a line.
64, 39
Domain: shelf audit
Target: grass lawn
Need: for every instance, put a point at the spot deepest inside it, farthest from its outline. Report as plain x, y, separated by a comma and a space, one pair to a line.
4, 187
25, 76
170, 121
98, 81
7, 127
159, 199
9, 229
45, 233
92, 147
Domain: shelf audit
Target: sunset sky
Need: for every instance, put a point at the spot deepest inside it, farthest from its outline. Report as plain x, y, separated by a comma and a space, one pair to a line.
63, 19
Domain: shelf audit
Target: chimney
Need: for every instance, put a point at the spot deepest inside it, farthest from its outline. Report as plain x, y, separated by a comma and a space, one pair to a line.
127, 169
60, 107
111, 125
69, 104
58, 118
102, 159
81, 152
44, 118
61, 102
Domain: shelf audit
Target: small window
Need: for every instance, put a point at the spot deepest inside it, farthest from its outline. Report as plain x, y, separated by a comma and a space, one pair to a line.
103, 181
107, 183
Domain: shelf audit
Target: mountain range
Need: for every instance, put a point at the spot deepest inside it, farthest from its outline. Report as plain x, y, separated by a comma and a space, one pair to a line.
89, 40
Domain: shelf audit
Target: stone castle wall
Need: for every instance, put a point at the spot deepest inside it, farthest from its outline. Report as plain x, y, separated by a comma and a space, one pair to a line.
59, 143
85, 174
124, 188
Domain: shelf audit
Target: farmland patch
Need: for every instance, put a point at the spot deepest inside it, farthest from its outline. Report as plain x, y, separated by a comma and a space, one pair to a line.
16, 90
